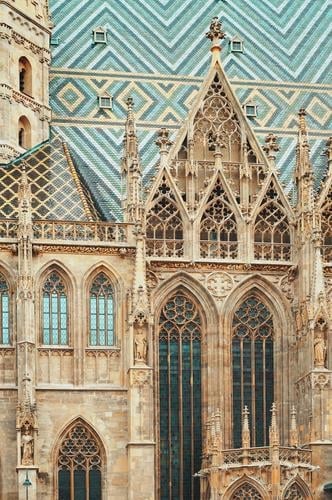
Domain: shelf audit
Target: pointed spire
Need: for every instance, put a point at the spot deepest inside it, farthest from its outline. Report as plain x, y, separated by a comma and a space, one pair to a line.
131, 169
215, 34
303, 169
271, 148
163, 142
245, 428
293, 438
130, 141
274, 433
24, 199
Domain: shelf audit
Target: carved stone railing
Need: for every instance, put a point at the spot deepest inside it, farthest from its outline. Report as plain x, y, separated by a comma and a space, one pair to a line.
327, 253
82, 232
64, 232
272, 251
254, 456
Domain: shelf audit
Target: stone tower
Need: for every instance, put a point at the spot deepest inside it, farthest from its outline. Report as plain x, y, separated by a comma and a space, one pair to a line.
25, 59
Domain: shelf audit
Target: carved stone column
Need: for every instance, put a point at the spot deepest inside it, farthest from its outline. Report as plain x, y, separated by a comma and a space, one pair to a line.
141, 445
26, 418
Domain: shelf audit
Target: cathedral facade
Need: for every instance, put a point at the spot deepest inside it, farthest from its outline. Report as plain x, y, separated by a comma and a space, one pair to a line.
165, 330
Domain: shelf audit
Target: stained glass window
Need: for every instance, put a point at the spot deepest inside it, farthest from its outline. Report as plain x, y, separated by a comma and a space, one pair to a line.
164, 229
180, 398
79, 466
246, 492
218, 231
54, 311
294, 492
272, 235
252, 357
101, 312
4, 312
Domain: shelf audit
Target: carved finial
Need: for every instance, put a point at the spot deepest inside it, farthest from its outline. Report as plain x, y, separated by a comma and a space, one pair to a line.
215, 34
271, 147
302, 121
130, 142
274, 433
293, 438
245, 428
163, 142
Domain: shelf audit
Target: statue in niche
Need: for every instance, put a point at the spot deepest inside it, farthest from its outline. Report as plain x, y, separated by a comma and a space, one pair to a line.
319, 350
27, 444
141, 345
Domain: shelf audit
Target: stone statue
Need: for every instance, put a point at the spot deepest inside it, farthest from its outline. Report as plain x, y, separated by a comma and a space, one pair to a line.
27, 446
319, 350
141, 345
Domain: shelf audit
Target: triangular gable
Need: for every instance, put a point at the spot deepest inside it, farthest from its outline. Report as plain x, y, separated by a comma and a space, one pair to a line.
218, 114
162, 177
271, 185
218, 180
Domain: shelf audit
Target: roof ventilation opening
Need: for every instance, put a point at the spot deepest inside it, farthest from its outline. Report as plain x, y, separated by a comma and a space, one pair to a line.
100, 35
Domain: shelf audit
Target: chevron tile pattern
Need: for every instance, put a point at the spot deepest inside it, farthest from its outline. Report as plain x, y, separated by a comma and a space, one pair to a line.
157, 53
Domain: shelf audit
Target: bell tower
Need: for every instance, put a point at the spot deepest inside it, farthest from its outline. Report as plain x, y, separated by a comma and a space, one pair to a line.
25, 29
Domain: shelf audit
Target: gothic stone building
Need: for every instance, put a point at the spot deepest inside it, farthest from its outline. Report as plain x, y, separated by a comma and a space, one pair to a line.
165, 325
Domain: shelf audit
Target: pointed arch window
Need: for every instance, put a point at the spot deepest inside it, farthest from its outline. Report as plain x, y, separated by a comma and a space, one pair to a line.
4, 311
218, 230
79, 465
101, 312
252, 360
54, 311
294, 492
180, 398
327, 230
164, 228
246, 492
272, 239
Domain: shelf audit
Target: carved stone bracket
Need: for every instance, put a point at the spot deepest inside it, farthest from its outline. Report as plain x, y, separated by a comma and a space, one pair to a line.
140, 377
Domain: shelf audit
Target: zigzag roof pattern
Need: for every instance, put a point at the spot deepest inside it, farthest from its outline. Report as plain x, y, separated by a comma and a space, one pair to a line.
156, 52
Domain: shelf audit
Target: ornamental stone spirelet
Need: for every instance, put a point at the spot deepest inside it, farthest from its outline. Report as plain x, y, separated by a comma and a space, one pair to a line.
215, 33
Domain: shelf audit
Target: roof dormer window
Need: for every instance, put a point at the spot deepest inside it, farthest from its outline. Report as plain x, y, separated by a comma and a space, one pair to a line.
250, 109
100, 35
236, 44
105, 102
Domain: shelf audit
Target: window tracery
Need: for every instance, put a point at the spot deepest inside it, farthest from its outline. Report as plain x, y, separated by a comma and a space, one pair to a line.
218, 229
327, 230
252, 358
180, 398
245, 492
216, 120
164, 228
4, 311
79, 465
294, 492
271, 232
101, 312
54, 311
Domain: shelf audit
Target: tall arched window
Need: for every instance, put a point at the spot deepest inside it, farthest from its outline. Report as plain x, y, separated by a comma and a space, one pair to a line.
246, 492
101, 312
79, 465
24, 133
218, 232
327, 230
164, 229
25, 76
271, 233
252, 358
180, 398
54, 311
4, 311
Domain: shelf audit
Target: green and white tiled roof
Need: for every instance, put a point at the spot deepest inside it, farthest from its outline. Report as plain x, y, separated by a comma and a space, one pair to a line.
157, 53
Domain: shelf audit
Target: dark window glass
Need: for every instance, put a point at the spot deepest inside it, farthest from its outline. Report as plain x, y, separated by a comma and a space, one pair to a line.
101, 312
54, 311
180, 399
